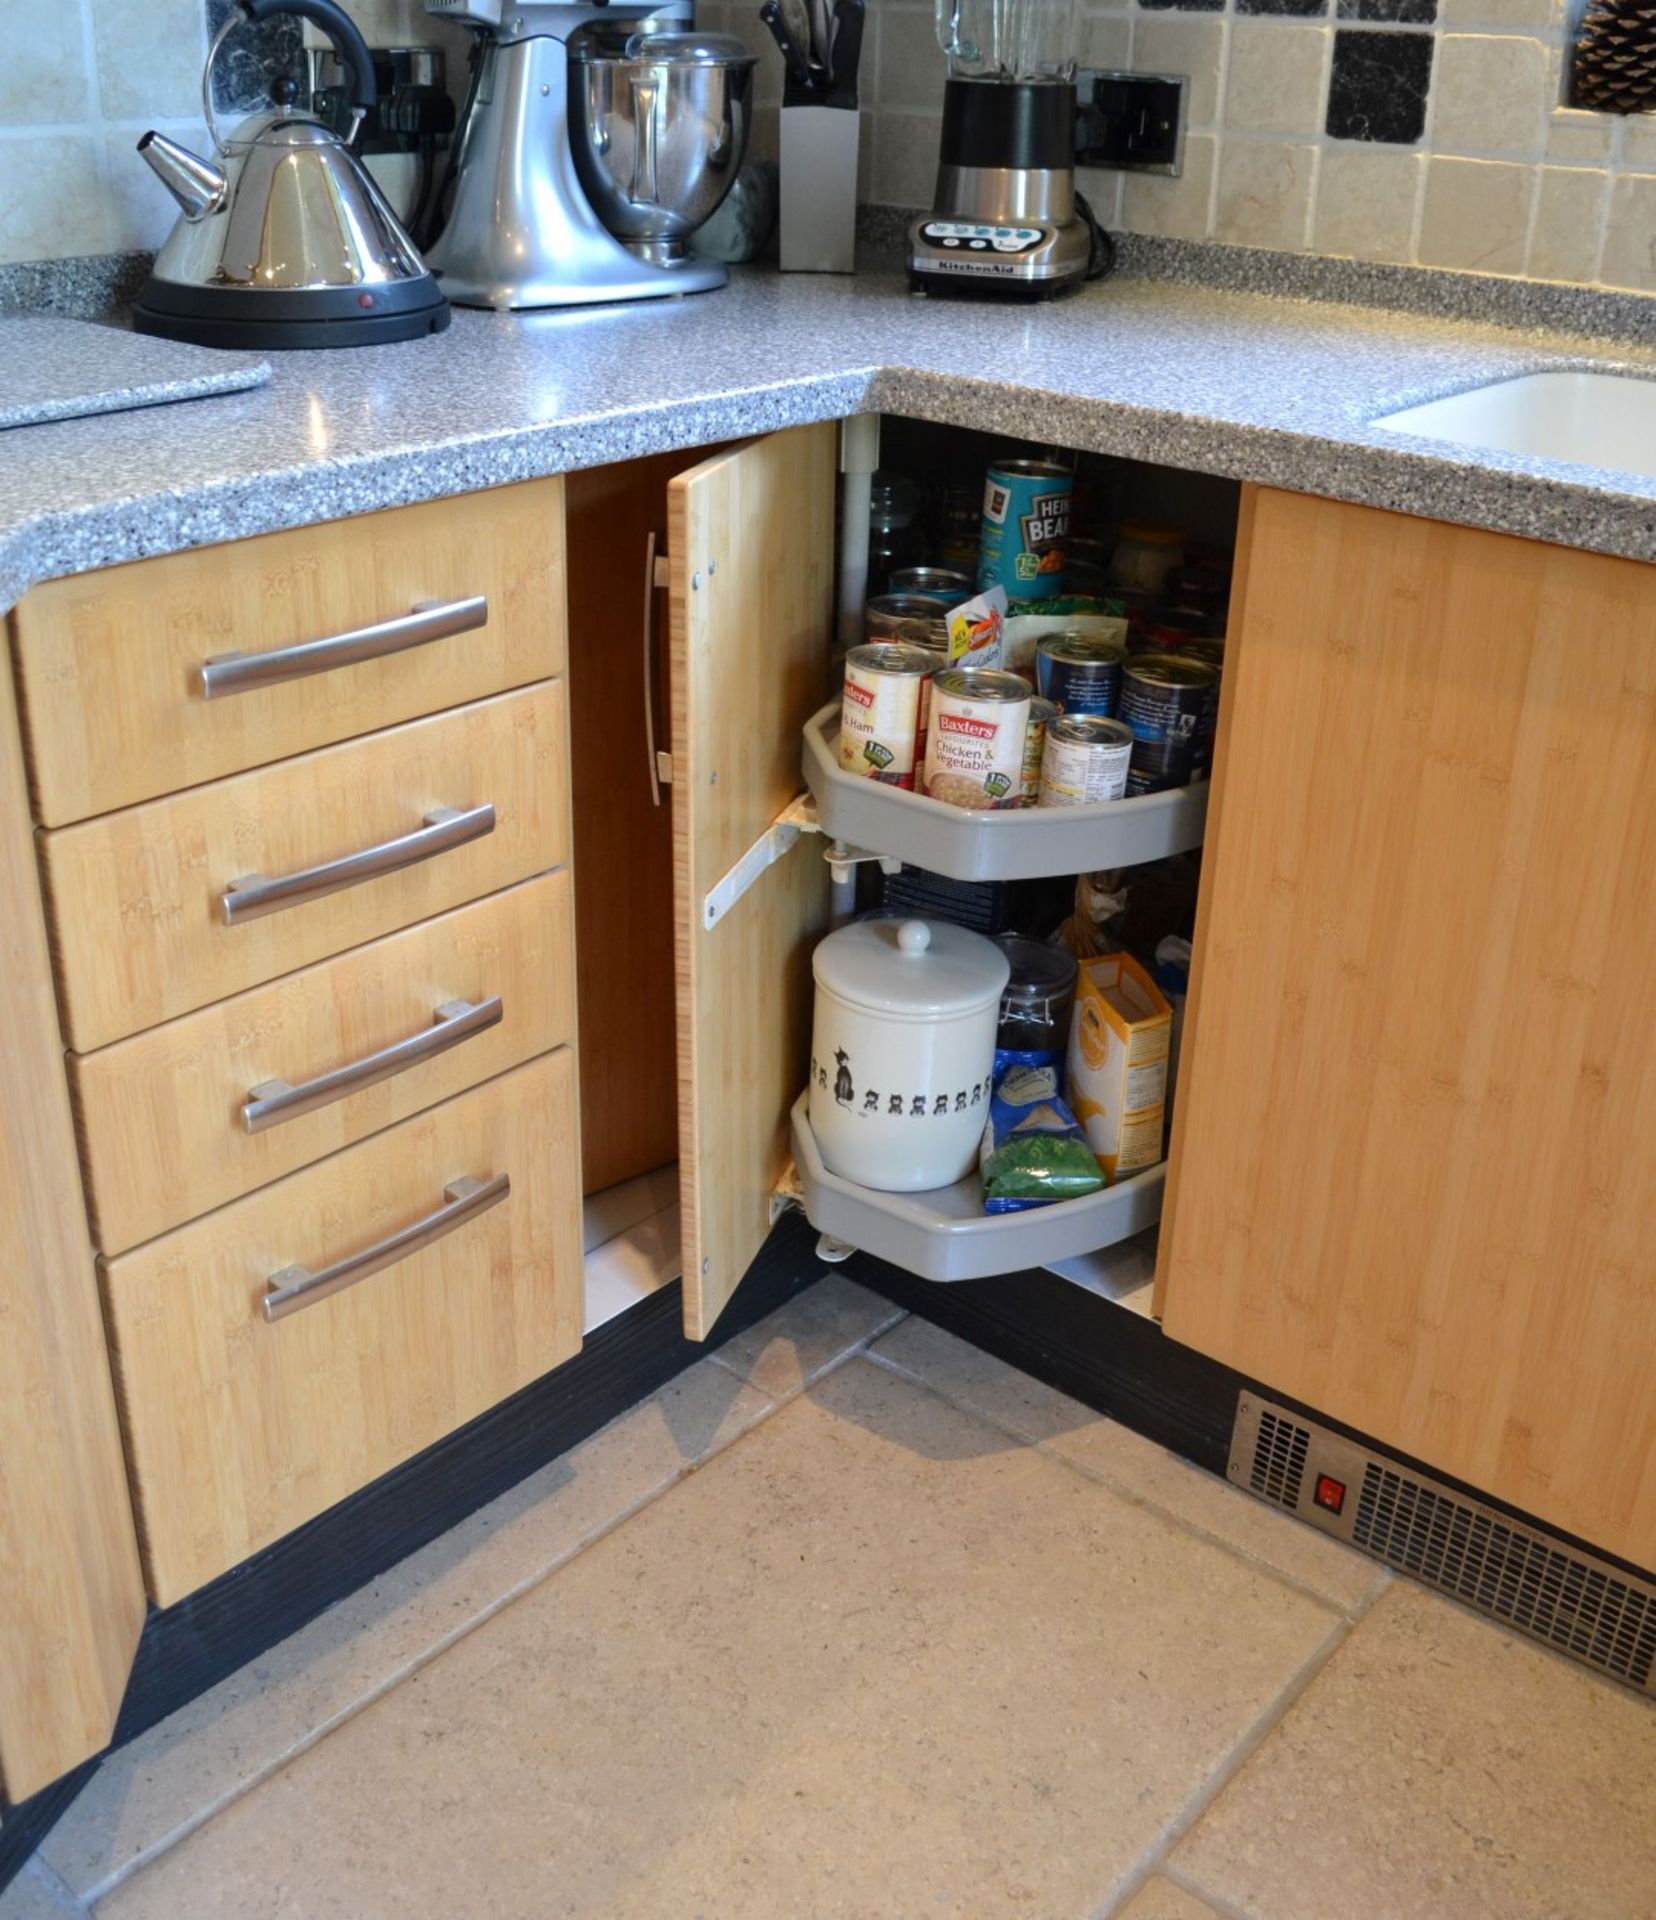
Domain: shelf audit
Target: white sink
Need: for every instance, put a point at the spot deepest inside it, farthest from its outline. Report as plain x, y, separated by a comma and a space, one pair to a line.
1597, 419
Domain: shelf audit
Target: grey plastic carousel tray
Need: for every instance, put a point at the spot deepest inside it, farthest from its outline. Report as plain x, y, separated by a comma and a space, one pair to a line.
1024, 843
946, 1235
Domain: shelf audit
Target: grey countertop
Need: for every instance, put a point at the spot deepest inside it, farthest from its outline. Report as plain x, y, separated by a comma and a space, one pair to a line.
1222, 381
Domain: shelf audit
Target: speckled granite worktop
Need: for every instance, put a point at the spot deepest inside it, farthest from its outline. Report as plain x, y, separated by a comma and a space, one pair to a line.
1228, 382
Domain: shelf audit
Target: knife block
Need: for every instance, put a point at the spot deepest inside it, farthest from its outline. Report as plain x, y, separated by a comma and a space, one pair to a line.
819, 189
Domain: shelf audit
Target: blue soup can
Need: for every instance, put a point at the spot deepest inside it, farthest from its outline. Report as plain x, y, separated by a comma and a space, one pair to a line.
1080, 672
1026, 514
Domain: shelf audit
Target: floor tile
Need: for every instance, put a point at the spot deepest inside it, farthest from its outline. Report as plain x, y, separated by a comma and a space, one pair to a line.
1159, 1899
208, 1751
793, 1344
1127, 1460
1441, 1765
878, 1658
31, 1896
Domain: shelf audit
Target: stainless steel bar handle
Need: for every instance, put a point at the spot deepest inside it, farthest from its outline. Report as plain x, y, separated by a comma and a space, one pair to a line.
273, 1101
228, 673
655, 581
295, 1287
254, 895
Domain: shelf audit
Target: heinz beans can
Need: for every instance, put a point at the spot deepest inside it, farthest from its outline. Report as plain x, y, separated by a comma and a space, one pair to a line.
1085, 761
881, 718
1026, 511
1080, 672
976, 737
1166, 699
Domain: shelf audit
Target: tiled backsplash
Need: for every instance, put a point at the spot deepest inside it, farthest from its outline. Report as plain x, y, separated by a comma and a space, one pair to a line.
1391, 130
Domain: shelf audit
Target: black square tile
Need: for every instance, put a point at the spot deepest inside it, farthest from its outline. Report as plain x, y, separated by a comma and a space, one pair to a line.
1378, 87
1410, 13
1291, 9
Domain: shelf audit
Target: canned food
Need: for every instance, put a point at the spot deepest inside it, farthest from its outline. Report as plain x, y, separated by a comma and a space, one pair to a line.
1026, 508
937, 658
1085, 761
976, 736
1164, 701
938, 583
1040, 713
1081, 672
1208, 726
918, 618
880, 711
1171, 627
1206, 648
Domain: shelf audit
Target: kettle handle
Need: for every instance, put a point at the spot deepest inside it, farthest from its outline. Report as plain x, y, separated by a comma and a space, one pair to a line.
342, 30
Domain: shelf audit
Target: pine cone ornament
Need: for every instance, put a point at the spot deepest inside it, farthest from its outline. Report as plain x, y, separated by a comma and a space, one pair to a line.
1615, 58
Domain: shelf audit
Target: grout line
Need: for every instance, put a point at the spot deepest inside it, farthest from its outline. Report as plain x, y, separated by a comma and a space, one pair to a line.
57, 1889
1179, 1877
436, 1648
1264, 1725
1149, 1504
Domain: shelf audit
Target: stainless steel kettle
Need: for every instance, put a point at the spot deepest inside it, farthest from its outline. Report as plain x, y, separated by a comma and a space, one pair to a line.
284, 239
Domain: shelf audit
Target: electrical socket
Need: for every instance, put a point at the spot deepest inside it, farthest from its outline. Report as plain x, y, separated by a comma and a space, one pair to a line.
1134, 121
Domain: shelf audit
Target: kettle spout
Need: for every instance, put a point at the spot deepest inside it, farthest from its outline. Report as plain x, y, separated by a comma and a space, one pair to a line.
197, 185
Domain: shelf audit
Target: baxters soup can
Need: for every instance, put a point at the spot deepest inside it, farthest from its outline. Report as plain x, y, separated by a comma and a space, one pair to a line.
976, 737
881, 716
1026, 514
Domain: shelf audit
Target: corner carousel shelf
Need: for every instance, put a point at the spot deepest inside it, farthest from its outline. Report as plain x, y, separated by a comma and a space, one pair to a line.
1023, 843
946, 1235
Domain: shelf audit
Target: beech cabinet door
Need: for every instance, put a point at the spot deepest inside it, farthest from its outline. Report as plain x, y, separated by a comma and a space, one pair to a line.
750, 590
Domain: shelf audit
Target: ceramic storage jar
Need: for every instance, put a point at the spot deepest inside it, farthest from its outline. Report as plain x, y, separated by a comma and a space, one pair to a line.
903, 1050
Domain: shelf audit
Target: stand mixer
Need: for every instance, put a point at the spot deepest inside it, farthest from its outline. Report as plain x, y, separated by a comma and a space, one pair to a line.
521, 231
1007, 218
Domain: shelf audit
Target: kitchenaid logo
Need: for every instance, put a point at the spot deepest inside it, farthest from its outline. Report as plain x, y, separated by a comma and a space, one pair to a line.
967, 727
979, 265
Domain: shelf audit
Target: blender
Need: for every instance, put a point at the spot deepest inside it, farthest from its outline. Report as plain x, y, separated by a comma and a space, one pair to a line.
1007, 218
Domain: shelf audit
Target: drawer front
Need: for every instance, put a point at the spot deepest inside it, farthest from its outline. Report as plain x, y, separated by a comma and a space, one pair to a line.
169, 1121
343, 629
137, 899
238, 1427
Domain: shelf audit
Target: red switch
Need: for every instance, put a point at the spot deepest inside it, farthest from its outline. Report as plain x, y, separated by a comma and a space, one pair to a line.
1329, 1492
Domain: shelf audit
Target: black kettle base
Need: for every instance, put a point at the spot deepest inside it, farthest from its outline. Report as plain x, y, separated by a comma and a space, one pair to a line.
240, 317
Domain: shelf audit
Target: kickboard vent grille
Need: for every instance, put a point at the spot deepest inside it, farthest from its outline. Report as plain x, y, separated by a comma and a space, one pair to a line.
1514, 1572
1518, 1576
1278, 1469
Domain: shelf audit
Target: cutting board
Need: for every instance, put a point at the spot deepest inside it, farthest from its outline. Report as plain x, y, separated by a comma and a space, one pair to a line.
57, 369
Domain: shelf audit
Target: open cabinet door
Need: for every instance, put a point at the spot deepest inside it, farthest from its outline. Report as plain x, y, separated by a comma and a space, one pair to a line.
750, 540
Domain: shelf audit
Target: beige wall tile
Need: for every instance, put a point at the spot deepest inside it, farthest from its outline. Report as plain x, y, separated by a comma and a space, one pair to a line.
1276, 77
1638, 132
1104, 40
1465, 1772
1569, 217
150, 54
1366, 200
1476, 215
1489, 94
1630, 234
139, 210
1175, 208
1577, 138
1501, 13
1264, 193
1194, 48
51, 197
911, 66
905, 158
43, 63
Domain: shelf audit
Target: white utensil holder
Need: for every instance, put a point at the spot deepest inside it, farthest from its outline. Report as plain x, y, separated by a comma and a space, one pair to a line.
819, 189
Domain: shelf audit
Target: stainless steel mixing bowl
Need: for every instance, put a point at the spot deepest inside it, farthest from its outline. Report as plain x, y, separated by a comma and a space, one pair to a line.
658, 132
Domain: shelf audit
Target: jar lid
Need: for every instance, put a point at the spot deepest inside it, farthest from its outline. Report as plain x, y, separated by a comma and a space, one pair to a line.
1151, 533
1039, 971
922, 968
